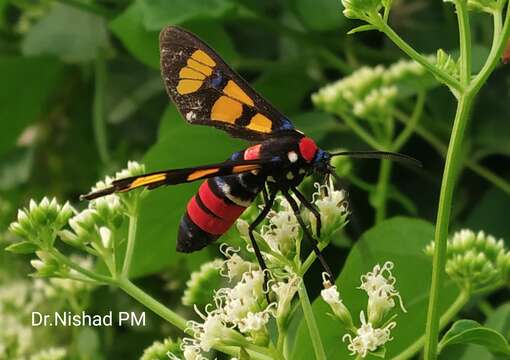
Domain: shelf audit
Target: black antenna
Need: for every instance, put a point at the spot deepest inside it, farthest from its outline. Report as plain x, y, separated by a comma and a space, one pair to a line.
405, 159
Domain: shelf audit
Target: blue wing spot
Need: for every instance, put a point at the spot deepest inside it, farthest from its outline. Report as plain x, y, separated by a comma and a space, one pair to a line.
216, 80
275, 158
236, 156
286, 124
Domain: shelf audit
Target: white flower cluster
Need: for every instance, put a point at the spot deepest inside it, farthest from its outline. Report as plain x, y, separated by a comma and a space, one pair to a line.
476, 260
367, 338
167, 349
370, 92
283, 231
379, 284
332, 205
242, 307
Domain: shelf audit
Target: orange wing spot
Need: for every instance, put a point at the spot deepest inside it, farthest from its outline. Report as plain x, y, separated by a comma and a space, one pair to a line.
190, 73
260, 123
146, 180
233, 90
201, 173
188, 86
226, 110
195, 65
202, 56
243, 168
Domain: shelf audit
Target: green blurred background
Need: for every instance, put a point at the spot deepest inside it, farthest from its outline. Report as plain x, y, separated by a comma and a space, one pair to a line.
80, 94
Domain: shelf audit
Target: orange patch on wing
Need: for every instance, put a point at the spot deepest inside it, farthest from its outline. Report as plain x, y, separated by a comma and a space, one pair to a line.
190, 73
260, 123
201, 173
188, 86
233, 90
243, 168
195, 65
146, 180
202, 56
226, 110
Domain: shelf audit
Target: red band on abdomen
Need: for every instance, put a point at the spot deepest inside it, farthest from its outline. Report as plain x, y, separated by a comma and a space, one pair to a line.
205, 221
252, 153
228, 212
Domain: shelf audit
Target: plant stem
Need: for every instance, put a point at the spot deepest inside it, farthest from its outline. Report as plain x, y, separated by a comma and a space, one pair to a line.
99, 108
310, 322
441, 148
361, 132
133, 222
454, 308
443, 218
382, 191
464, 41
410, 125
451, 166
92, 275
413, 54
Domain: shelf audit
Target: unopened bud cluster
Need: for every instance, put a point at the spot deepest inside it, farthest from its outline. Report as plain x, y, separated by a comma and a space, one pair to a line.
476, 260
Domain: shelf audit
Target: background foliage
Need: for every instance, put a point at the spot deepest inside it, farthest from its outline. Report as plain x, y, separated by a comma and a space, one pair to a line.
81, 94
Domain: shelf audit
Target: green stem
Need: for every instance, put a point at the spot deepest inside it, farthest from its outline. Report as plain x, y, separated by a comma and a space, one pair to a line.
99, 108
452, 311
133, 222
92, 275
441, 148
256, 352
310, 322
382, 190
410, 126
453, 159
452, 163
413, 54
362, 133
464, 41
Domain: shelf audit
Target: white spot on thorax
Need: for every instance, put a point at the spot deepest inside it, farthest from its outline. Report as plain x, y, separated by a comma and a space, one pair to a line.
234, 199
292, 156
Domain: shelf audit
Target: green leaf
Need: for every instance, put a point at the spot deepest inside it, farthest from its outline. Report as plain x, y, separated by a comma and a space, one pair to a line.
400, 240
361, 29
23, 247
143, 43
30, 81
160, 13
471, 332
498, 320
286, 86
129, 28
490, 214
179, 145
320, 15
69, 33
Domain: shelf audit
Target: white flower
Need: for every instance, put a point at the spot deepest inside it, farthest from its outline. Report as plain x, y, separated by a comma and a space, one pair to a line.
368, 339
211, 332
381, 291
254, 322
332, 206
331, 296
50, 354
191, 350
235, 265
285, 292
133, 169
283, 230
106, 236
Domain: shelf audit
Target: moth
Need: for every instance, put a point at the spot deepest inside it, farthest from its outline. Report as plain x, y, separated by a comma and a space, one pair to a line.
206, 91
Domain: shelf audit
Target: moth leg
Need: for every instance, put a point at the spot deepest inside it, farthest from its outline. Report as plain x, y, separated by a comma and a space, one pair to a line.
307, 234
267, 207
310, 207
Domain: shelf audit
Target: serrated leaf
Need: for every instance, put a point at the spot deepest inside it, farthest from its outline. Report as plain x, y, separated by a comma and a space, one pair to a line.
23, 247
361, 29
471, 332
